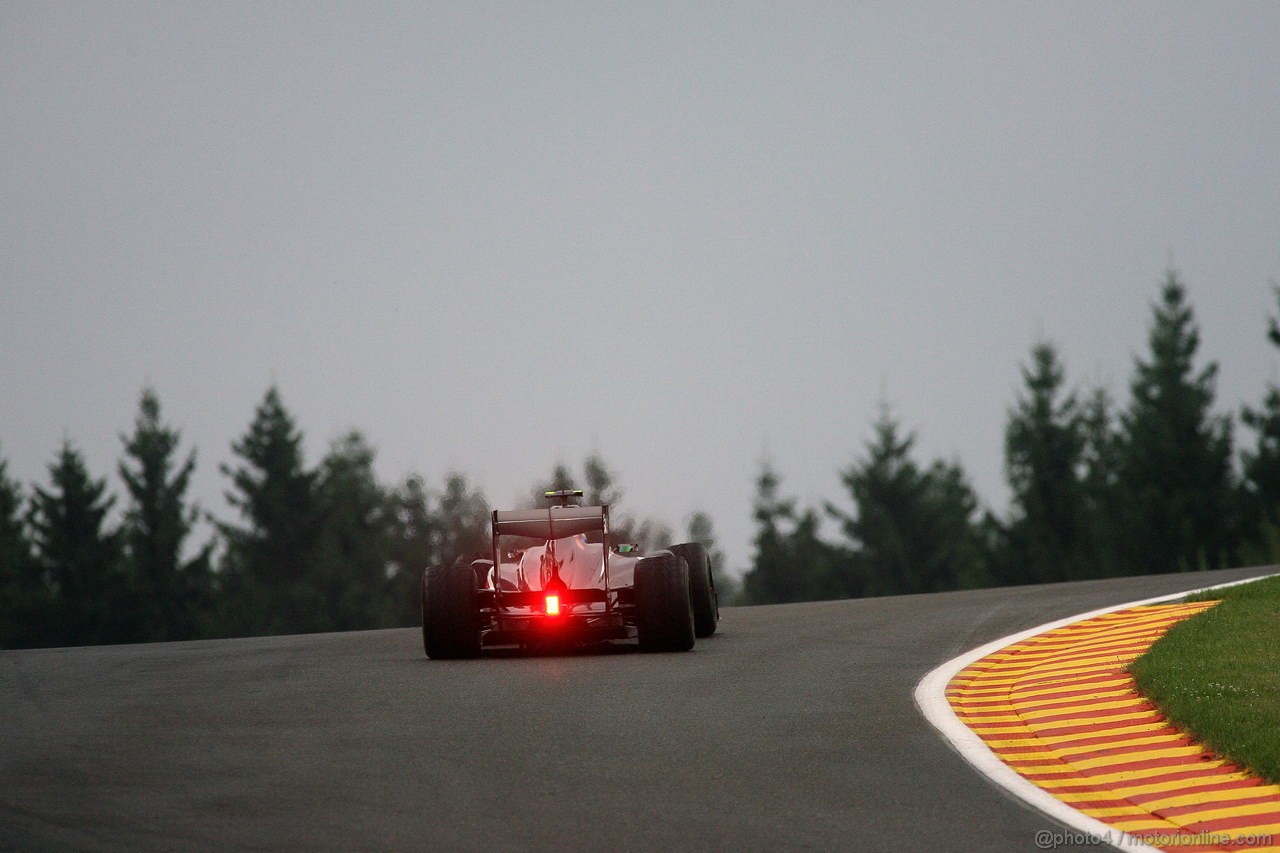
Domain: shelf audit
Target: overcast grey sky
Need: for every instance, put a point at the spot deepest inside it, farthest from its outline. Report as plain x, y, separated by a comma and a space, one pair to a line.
498, 235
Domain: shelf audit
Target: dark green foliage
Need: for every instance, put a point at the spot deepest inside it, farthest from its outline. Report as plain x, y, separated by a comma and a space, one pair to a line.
93, 599
1175, 454
792, 562
601, 488
172, 594
1260, 489
413, 547
1044, 449
1100, 481
462, 519
912, 529
1098, 490
318, 550
427, 528
26, 599
770, 578
354, 547
269, 563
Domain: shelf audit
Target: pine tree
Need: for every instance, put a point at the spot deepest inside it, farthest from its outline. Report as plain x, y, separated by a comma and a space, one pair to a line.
1104, 502
601, 488
414, 546
912, 529
173, 592
1044, 451
1260, 503
267, 576
92, 594
355, 541
770, 578
462, 517
792, 562
1175, 460
821, 570
25, 600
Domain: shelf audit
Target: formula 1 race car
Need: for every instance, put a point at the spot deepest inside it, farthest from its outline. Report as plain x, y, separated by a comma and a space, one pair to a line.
556, 580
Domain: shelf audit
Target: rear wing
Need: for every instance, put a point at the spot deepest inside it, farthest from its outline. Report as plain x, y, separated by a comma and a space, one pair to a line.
555, 522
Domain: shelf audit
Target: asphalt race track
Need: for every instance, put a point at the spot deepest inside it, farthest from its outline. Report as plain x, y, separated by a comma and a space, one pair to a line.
792, 729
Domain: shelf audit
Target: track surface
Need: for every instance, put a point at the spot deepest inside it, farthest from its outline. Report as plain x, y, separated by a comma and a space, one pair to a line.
792, 729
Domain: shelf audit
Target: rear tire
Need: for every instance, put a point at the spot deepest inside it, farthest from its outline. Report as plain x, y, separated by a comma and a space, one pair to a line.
450, 618
702, 588
664, 610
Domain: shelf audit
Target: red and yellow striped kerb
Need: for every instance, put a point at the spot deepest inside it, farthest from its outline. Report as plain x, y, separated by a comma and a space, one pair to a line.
1061, 711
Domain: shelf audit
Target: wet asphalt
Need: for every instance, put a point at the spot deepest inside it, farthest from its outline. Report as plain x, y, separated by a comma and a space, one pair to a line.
792, 729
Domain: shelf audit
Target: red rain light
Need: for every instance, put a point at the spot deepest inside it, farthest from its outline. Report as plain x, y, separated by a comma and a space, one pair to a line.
553, 605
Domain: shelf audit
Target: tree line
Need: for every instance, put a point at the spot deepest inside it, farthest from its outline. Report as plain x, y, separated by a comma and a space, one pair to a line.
327, 548
1097, 489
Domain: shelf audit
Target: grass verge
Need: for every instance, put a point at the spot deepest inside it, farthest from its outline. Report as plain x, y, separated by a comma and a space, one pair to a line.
1217, 675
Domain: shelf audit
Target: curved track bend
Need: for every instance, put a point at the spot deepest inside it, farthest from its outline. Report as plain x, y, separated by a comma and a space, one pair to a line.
793, 728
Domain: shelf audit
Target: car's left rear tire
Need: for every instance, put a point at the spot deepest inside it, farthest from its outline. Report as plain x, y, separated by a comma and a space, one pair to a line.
450, 615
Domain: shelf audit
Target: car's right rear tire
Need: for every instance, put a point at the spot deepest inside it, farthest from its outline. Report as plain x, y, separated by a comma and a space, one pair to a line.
664, 610
702, 588
450, 618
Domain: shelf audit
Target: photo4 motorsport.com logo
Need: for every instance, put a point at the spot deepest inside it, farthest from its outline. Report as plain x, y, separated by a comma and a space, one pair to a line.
1049, 840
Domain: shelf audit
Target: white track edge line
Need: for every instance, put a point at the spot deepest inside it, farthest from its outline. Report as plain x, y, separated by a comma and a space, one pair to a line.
930, 697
